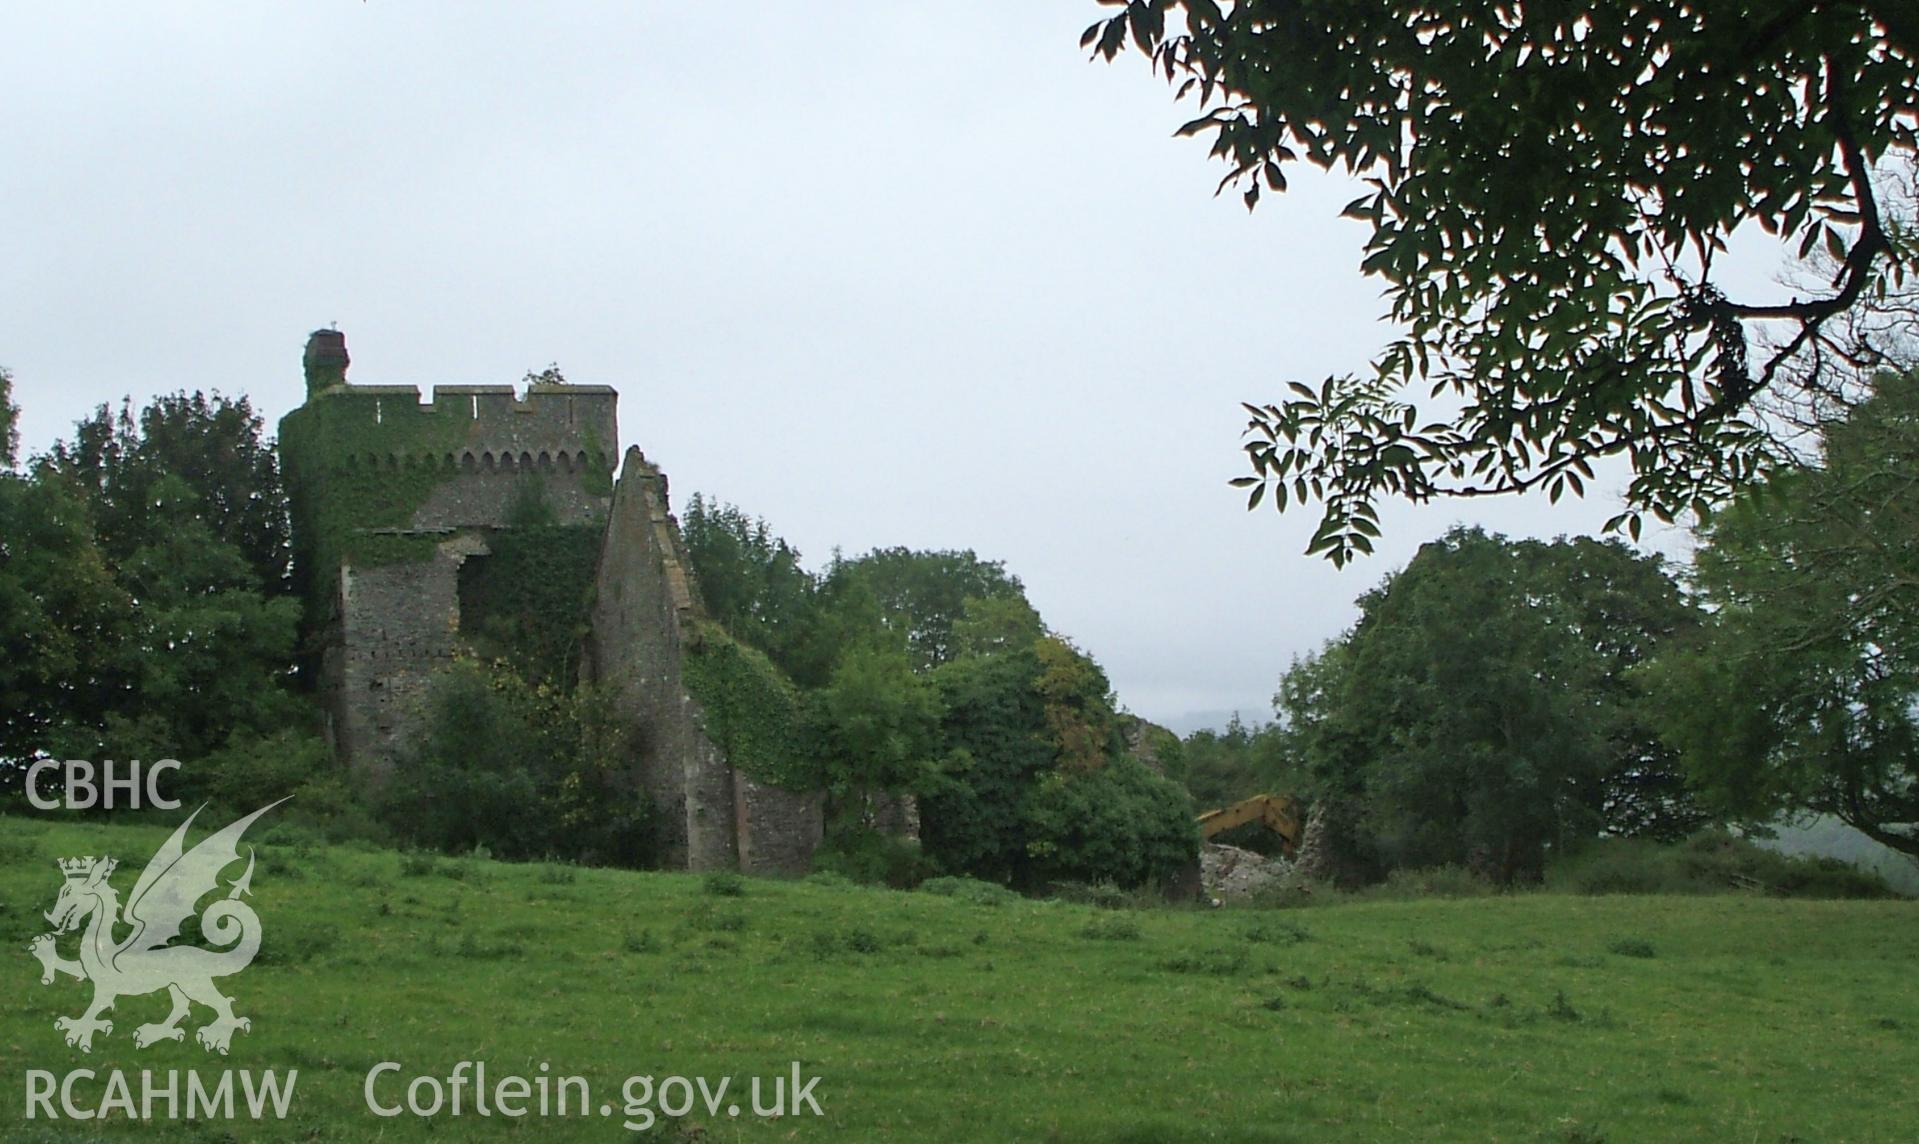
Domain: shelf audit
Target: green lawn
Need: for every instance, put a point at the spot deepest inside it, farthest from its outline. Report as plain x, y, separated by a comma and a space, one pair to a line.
1533, 1017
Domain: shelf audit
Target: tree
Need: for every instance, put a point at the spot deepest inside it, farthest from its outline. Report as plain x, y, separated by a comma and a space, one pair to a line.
878, 723
148, 568
1480, 712
63, 618
1035, 783
1549, 187
9, 423
1623, 608
1803, 694
1081, 722
1121, 823
923, 594
972, 819
752, 582
1223, 766
214, 446
525, 770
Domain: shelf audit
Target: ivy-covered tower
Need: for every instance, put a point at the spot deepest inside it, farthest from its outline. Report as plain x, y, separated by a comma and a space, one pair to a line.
490, 521
400, 507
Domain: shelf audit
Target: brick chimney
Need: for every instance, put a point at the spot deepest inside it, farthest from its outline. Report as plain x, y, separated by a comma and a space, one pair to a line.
326, 360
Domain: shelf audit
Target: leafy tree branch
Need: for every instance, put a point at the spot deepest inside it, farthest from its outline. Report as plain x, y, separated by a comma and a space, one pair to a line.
1550, 187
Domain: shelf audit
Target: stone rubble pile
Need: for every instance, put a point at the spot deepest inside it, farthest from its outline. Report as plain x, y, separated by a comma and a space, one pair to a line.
1229, 872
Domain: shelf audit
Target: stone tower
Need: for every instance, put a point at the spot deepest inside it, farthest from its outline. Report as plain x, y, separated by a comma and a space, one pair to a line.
403, 513
391, 496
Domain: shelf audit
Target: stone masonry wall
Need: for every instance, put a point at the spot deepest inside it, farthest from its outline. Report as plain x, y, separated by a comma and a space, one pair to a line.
644, 612
396, 626
778, 829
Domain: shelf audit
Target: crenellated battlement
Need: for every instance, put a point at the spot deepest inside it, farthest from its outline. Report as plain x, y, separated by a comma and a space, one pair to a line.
484, 428
365, 463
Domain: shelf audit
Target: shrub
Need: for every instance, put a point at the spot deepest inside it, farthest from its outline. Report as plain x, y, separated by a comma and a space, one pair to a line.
1120, 823
1632, 947
970, 890
1711, 862
1113, 927
1434, 882
252, 770
524, 771
723, 884
873, 859
1105, 895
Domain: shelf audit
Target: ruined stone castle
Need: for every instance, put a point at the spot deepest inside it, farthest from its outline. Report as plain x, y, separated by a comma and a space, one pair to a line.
416, 521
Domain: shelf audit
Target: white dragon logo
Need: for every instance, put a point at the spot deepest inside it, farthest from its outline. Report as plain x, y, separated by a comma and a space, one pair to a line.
142, 962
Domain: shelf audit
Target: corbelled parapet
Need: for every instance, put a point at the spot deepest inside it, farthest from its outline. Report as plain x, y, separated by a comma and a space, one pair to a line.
573, 428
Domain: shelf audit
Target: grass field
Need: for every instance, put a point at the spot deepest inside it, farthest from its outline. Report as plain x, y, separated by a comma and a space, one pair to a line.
1529, 1017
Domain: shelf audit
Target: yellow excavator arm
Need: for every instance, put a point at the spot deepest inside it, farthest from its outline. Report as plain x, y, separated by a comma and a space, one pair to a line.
1280, 813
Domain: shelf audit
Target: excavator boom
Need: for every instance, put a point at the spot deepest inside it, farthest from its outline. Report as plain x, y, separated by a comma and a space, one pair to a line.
1279, 813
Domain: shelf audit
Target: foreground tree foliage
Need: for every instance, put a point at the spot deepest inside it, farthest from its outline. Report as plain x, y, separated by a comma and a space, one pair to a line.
1550, 187
1482, 712
1803, 694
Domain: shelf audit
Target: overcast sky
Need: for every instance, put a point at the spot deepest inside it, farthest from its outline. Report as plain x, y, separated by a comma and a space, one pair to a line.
883, 273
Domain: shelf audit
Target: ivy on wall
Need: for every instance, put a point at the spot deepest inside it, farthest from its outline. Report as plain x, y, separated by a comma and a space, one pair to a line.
357, 463
752, 712
527, 602
334, 454
598, 478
